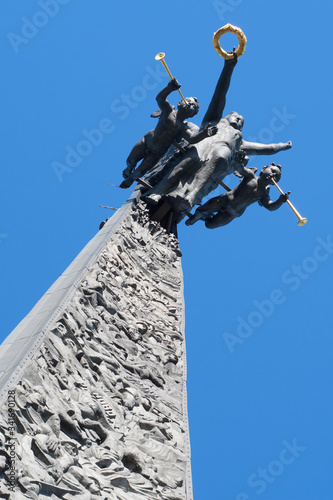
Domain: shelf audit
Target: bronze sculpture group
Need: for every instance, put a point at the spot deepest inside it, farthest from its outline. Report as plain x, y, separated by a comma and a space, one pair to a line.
205, 157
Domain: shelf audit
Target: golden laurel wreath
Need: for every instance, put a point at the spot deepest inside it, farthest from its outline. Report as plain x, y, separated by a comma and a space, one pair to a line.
229, 28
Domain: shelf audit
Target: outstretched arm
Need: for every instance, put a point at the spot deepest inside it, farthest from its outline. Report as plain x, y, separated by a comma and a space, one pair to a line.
217, 104
256, 148
161, 97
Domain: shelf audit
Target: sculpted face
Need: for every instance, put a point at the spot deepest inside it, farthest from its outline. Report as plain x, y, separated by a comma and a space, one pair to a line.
235, 120
61, 328
191, 108
271, 171
71, 449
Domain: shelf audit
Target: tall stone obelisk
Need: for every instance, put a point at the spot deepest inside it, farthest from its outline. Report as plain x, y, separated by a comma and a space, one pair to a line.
93, 381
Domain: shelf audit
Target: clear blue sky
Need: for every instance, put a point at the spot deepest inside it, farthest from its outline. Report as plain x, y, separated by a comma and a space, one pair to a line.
260, 398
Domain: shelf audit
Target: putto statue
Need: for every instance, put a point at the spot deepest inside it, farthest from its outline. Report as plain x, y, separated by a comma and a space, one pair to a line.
171, 126
234, 203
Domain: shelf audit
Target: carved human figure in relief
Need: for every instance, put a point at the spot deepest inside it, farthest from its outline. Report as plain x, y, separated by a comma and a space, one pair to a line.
194, 175
234, 203
170, 126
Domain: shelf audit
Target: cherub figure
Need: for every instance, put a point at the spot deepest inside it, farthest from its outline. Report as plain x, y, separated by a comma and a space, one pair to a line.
170, 126
234, 203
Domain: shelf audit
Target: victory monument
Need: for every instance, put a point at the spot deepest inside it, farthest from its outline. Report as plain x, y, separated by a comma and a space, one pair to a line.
93, 381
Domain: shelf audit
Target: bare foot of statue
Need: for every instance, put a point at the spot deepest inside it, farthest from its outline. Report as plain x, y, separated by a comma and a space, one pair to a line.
127, 171
191, 220
195, 217
126, 183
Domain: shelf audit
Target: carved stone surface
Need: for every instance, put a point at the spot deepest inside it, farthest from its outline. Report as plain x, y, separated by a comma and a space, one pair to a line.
101, 406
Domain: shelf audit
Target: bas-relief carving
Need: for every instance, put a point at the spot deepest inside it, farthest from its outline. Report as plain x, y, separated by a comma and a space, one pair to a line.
100, 407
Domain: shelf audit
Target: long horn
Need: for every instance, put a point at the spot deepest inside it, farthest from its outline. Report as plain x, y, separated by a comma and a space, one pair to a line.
301, 220
160, 57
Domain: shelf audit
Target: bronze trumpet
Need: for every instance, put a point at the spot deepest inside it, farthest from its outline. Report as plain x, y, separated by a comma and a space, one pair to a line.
301, 220
160, 57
